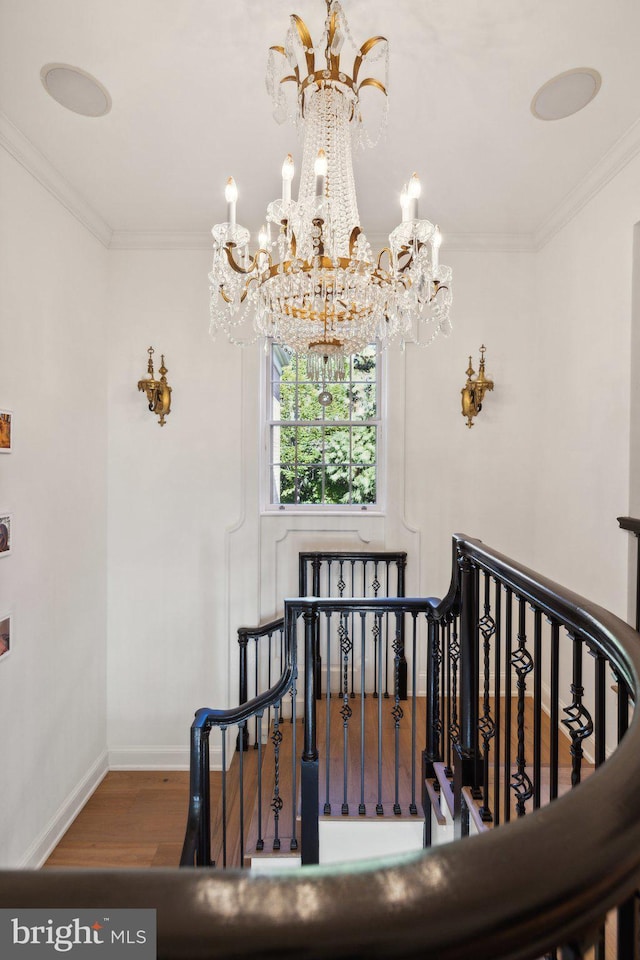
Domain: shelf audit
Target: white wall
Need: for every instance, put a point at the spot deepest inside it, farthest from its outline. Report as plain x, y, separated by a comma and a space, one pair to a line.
53, 376
173, 491
583, 420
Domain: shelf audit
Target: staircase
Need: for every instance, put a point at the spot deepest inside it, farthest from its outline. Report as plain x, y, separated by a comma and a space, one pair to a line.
518, 669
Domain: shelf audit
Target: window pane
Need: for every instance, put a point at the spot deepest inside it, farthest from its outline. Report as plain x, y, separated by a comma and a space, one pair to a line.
284, 444
336, 445
309, 443
283, 484
284, 401
310, 485
364, 484
364, 364
337, 485
309, 407
363, 401
364, 445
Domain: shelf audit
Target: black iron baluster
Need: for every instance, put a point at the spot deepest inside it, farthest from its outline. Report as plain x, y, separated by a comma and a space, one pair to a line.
446, 693
294, 766
628, 936
315, 566
467, 770
241, 731
256, 667
379, 807
507, 702
555, 710
363, 637
486, 723
578, 721
521, 659
260, 840
537, 706
346, 712
327, 701
601, 707
309, 765
377, 645
223, 731
454, 655
432, 752
397, 713
277, 802
401, 564
497, 699
629, 929
243, 692
413, 807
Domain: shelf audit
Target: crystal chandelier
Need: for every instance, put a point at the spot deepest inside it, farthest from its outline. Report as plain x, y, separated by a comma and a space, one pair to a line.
314, 284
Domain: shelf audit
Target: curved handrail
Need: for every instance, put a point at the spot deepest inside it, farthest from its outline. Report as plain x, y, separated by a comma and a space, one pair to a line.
422, 905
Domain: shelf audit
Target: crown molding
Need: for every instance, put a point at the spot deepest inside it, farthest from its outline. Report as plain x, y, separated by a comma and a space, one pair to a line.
160, 240
35, 163
488, 243
614, 160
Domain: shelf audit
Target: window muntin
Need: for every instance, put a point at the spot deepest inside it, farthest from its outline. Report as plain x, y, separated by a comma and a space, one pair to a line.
323, 455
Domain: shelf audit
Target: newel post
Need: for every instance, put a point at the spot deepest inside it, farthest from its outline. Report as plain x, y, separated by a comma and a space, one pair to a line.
310, 767
467, 765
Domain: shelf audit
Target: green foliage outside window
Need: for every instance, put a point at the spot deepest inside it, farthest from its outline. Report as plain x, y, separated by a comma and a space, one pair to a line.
324, 454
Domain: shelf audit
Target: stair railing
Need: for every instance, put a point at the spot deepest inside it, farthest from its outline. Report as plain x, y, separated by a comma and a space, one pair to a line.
539, 886
197, 845
322, 573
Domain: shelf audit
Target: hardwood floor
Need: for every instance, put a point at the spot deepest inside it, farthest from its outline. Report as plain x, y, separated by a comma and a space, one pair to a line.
134, 819
137, 819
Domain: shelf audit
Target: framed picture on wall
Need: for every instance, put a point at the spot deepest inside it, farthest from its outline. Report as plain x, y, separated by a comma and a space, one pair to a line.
5, 534
6, 431
6, 637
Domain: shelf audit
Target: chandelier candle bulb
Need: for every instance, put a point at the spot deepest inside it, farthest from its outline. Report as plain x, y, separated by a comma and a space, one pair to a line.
435, 248
231, 196
287, 177
320, 170
413, 194
404, 203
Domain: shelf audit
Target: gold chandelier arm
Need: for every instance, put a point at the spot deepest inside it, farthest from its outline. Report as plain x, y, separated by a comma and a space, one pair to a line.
236, 266
364, 50
333, 59
384, 250
405, 252
372, 82
355, 233
307, 42
295, 76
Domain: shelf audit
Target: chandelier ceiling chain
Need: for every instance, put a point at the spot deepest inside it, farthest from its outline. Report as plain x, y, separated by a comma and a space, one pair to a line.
314, 284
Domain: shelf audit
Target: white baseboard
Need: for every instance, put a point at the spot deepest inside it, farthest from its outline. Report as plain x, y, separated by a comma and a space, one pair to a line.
160, 758
42, 846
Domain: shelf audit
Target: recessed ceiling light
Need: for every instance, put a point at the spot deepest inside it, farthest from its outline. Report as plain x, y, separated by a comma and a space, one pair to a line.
566, 94
75, 89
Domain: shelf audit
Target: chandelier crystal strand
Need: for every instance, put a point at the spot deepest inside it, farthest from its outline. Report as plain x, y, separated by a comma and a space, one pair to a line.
314, 284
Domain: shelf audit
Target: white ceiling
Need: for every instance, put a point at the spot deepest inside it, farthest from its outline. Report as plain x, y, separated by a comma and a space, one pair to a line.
190, 106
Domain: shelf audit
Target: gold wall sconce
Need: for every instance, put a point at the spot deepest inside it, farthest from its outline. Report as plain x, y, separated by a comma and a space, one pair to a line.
474, 390
158, 391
